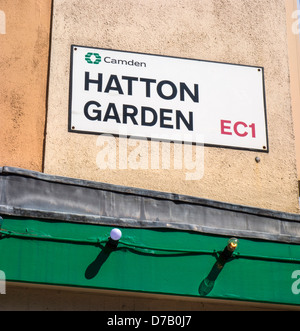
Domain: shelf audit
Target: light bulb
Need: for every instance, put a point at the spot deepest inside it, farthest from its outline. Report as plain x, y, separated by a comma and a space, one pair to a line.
232, 244
115, 234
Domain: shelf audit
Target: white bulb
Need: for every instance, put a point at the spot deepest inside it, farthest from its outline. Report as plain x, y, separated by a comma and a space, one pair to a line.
115, 234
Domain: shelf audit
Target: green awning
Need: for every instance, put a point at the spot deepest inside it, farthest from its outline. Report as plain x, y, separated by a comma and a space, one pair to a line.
165, 261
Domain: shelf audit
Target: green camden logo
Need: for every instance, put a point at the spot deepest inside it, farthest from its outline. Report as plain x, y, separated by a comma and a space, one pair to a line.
93, 58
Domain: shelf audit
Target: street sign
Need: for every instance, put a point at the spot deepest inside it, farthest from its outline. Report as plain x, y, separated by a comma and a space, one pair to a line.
167, 98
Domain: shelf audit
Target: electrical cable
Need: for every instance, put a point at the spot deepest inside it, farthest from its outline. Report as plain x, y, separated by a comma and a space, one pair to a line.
4, 233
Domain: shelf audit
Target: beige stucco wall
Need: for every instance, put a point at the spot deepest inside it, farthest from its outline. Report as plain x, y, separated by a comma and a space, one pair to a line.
24, 49
293, 15
251, 32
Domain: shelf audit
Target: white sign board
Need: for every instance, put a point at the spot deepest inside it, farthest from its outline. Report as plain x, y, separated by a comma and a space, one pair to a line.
167, 98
